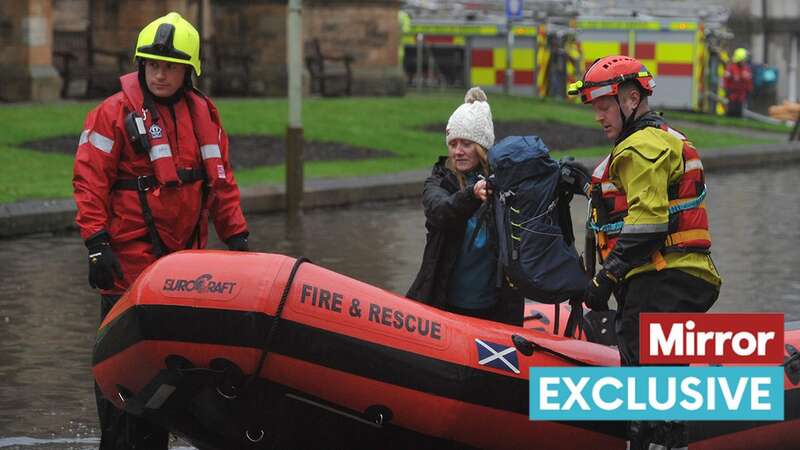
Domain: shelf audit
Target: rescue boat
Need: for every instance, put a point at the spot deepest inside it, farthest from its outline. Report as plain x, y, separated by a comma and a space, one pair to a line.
252, 350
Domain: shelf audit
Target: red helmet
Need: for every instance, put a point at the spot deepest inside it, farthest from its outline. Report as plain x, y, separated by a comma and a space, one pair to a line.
606, 75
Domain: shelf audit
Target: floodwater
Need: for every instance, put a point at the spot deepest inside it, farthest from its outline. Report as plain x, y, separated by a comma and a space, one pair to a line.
48, 314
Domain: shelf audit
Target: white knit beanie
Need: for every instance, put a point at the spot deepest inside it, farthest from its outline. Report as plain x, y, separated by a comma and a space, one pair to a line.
472, 120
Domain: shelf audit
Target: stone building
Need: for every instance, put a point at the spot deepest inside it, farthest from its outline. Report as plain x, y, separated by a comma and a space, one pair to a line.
26, 59
79, 47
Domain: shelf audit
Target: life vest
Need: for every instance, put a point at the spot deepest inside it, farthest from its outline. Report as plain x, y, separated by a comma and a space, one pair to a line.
688, 219
160, 153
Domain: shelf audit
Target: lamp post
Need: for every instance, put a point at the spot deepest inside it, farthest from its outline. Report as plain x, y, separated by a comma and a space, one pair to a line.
294, 129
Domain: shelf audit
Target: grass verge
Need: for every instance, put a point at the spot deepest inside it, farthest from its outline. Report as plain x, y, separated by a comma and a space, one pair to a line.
393, 124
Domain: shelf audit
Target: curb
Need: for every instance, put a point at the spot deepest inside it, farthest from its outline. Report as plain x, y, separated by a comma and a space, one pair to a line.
17, 219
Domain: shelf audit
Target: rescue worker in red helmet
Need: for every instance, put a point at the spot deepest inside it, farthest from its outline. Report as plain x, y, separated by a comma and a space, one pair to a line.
151, 167
649, 219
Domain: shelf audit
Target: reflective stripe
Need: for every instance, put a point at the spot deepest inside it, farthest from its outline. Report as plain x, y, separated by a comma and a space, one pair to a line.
645, 228
101, 142
599, 92
160, 151
609, 187
84, 137
210, 151
693, 164
680, 237
676, 133
601, 168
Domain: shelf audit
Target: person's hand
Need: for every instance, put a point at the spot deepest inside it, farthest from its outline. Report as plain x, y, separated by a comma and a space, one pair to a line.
481, 190
599, 290
575, 175
238, 242
103, 265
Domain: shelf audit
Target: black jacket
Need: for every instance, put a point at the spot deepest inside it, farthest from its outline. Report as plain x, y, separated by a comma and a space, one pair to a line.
447, 210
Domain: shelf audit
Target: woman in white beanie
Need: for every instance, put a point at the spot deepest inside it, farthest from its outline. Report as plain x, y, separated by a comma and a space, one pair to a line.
456, 274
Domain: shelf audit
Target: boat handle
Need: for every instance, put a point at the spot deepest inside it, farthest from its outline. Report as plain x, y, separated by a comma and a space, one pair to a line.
254, 440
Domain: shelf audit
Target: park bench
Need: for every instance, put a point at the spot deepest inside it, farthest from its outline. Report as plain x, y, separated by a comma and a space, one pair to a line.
330, 75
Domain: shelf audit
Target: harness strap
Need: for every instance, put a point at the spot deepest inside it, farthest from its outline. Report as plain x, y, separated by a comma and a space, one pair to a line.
658, 260
143, 184
607, 228
155, 239
575, 319
679, 205
689, 235
147, 182
556, 317
675, 207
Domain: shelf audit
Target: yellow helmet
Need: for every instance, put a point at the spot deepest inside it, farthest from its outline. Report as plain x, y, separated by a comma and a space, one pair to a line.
170, 38
739, 55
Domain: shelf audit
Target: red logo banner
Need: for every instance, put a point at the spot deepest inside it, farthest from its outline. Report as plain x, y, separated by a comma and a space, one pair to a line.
710, 338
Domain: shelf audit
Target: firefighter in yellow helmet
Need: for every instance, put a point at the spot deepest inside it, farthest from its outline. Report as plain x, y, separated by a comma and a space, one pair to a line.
150, 169
649, 219
738, 82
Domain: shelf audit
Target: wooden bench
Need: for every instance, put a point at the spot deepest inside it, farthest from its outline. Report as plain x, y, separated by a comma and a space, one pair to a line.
330, 75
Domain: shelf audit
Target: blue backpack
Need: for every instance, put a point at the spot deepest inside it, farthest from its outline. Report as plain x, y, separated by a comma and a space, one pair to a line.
534, 230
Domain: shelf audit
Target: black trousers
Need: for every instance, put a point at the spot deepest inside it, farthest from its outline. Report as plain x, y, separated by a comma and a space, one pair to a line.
120, 430
734, 109
664, 291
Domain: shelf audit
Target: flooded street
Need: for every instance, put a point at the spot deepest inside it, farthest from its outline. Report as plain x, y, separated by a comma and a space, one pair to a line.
48, 314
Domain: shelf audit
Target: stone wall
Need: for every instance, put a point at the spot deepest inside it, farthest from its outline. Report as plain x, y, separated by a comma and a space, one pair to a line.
70, 15
26, 59
116, 23
369, 32
244, 48
255, 31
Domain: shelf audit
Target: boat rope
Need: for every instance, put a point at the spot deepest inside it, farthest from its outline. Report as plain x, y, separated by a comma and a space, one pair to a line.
526, 347
275, 321
273, 329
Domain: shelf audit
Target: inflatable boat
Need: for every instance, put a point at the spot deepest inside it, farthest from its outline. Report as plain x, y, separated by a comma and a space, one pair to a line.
251, 350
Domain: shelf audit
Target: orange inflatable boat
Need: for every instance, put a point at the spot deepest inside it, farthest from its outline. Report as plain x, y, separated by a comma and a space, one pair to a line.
249, 350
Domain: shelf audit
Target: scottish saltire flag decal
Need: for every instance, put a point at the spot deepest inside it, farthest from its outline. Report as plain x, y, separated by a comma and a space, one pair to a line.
498, 356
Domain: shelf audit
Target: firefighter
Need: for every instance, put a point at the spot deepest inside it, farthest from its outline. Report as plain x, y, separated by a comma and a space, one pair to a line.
151, 167
738, 82
649, 218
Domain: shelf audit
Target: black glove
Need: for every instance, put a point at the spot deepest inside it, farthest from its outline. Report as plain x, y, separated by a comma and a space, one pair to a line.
575, 175
599, 290
103, 265
238, 242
